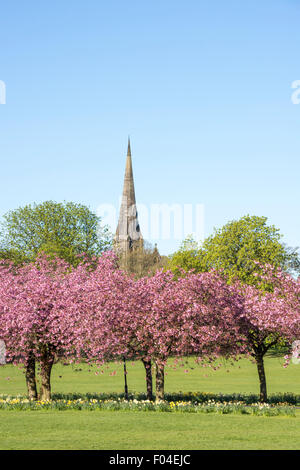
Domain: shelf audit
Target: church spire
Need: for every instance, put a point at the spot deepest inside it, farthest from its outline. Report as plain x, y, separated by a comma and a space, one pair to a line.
128, 187
128, 231
128, 148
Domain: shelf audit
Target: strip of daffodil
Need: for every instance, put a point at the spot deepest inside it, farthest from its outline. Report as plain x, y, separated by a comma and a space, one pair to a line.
211, 406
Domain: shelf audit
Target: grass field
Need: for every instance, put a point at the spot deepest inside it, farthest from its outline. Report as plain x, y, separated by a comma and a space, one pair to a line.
150, 430
138, 430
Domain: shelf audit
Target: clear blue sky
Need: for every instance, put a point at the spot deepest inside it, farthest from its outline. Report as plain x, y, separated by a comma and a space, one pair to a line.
202, 87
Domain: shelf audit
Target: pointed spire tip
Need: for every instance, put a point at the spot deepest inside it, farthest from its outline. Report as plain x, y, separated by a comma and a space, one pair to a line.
129, 148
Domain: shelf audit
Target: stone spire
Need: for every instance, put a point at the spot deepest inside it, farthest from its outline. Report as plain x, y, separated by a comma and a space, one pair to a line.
128, 148
128, 234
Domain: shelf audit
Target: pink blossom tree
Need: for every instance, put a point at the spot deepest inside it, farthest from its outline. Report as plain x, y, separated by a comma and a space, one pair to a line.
33, 301
192, 315
159, 309
213, 308
120, 317
271, 314
100, 311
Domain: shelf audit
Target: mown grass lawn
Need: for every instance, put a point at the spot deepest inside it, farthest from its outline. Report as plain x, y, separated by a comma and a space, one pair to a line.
138, 430
151, 430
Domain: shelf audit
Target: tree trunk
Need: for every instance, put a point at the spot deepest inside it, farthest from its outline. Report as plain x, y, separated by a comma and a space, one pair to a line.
262, 377
148, 369
30, 377
160, 381
46, 367
125, 380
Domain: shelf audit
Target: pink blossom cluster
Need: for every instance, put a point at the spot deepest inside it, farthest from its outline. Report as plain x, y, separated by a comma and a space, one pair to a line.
97, 312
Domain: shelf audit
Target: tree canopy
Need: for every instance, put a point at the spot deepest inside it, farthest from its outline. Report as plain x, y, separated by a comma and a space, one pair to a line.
62, 229
188, 257
238, 248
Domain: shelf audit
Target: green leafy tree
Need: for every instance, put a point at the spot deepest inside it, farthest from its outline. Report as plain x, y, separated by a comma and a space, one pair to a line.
57, 229
241, 244
188, 257
237, 248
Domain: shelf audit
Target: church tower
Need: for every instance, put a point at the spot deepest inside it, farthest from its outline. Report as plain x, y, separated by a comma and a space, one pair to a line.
128, 235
